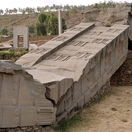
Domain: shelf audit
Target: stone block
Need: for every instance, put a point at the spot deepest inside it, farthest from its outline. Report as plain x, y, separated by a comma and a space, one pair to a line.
10, 117
59, 79
20, 31
28, 115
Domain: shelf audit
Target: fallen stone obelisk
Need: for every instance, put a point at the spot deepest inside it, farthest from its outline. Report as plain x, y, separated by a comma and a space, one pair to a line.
130, 23
61, 76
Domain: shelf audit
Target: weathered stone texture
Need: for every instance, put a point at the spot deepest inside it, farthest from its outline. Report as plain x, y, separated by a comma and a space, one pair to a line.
61, 76
20, 31
130, 23
22, 99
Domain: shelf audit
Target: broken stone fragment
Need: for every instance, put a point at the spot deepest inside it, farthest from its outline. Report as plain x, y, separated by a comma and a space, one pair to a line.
9, 67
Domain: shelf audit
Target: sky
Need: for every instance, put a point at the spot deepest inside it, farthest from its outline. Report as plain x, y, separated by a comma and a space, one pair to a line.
35, 3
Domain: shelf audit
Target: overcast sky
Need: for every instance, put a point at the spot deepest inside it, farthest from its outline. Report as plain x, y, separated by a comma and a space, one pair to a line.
34, 3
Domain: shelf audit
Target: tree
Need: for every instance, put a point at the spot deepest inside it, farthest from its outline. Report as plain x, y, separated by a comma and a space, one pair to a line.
6, 11
10, 11
31, 29
41, 29
30, 10
4, 31
15, 10
41, 24
48, 24
39, 9
1, 11
47, 8
67, 7
52, 25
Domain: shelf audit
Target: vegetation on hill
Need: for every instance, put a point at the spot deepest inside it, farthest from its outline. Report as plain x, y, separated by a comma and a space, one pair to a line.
103, 12
47, 24
74, 8
4, 32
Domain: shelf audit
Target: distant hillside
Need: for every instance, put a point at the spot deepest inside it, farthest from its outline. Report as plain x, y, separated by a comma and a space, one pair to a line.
108, 16
8, 21
105, 16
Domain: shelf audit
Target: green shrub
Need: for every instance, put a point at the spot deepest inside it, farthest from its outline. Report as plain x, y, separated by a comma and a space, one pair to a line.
109, 4
0, 37
41, 24
42, 18
52, 25
4, 31
48, 24
12, 54
41, 29
64, 27
32, 29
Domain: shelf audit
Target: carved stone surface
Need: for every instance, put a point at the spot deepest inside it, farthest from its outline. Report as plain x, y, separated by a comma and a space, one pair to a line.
61, 76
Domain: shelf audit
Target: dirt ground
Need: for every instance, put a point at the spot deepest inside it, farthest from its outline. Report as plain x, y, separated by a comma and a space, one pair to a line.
113, 113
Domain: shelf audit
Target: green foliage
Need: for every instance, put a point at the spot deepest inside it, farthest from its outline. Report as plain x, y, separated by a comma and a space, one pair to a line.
109, 4
12, 54
75, 9
32, 29
48, 24
72, 8
52, 25
42, 18
22, 52
41, 29
64, 27
0, 37
4, 31
64, 126
41, 24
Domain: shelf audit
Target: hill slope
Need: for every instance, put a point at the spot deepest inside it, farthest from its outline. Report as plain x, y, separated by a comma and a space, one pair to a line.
104, 16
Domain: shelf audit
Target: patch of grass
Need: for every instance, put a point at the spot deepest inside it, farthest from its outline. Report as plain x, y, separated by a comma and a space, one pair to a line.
12, 54
102, 97
66, 125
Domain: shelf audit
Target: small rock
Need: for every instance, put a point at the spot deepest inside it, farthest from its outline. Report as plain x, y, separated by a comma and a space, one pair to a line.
32, 47
124, 120
113, 109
